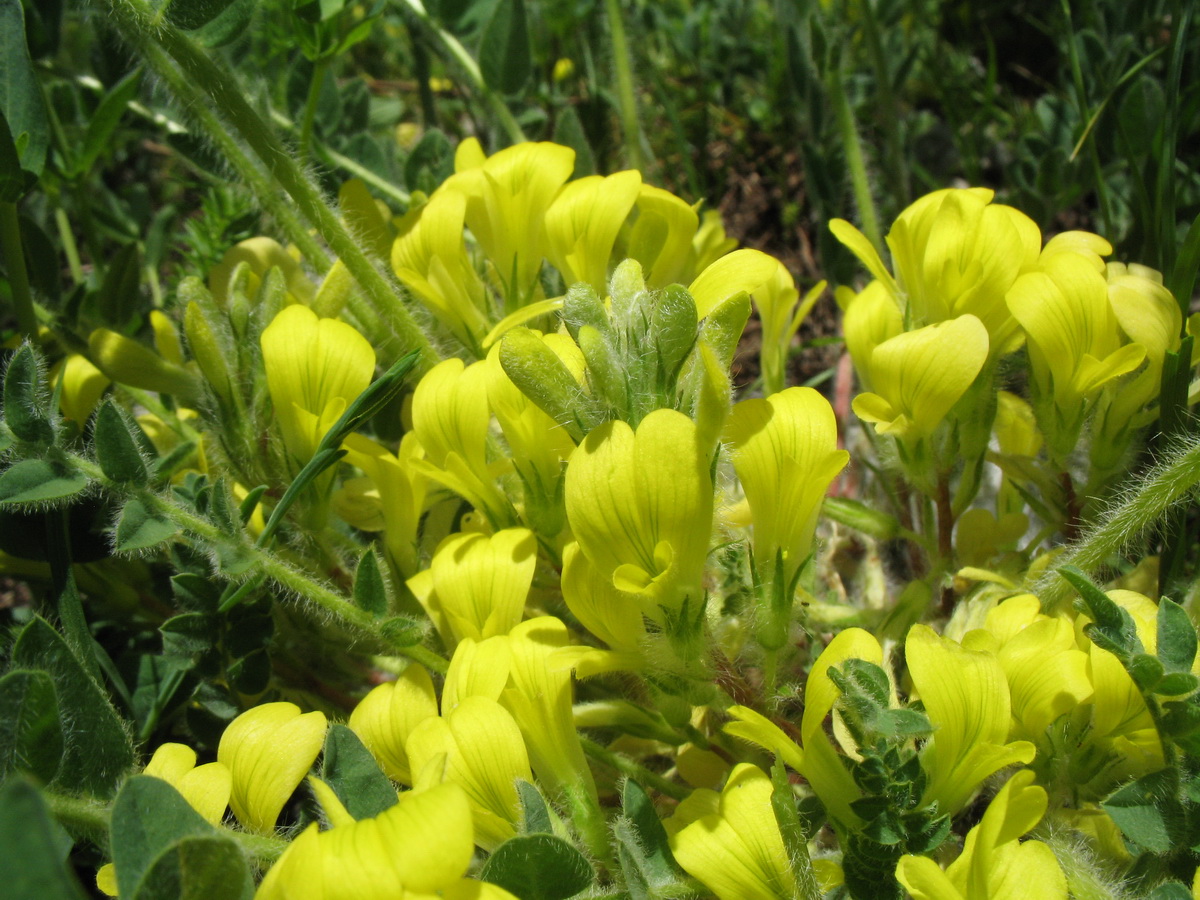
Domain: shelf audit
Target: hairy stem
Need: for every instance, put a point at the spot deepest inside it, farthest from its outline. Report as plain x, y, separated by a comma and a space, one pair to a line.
1168, 484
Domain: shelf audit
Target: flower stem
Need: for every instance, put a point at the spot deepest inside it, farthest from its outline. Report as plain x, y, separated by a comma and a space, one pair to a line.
1165, 486
625, 94
136, 21
12, 250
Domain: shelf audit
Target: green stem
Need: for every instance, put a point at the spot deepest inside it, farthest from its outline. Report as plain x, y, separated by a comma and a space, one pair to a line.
92, 820
890, 111
854, 159
625, 95
628, 767
18, 277
310, 107
466, 62
133, 18
1168, 484
260, 184
70, 249
267, 564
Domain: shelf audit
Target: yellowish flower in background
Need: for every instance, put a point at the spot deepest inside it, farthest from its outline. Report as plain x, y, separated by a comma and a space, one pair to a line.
785, 455
126, 361
994, 864
640, 504
260, 255
389, 498
966, 697
386, 717
709, 243
781, 312
742, 270
583, 222
268, 750
420, 848
817, 760
731, 841
920, 375
82, 387
315, 368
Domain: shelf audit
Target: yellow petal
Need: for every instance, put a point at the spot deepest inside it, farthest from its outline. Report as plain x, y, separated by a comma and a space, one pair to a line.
582, 225
388, 715
758, 729
742, 270
477, 669
661, 239
269, 749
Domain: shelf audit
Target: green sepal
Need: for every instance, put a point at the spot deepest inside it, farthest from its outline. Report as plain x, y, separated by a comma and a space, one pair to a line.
370, 588
538, 867
33, 847
97, 748
41, 481
535, 814
582, 306
31, 736
350, 769
673, 328
545, 379
1176, 637
27, 409
140, 528
117, 450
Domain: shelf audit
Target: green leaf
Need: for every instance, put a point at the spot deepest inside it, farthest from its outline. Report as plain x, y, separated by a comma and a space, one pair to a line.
1176, 637
370, 590
1113, 629
106, 118
117, 450
26, 403
504, 51
188, 633
535, 815
191, 14
1176, 684
354, 775
227, 25
14, 181
140, 529
1172, 890
31, 737
654, 851
538, 867
1147, 812
97, 748
40, 481
33, 847
250, 502
1145, 670
118, 299
21, 99
568, 130
148, 817
430, 162
197, 868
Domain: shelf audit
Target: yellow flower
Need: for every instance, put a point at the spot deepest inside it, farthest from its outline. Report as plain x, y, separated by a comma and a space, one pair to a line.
315, 369
871, 317
481, 582
640, 504
450, 417
920, 375
661, 237
82, 387
742, 270
731, 841
268, 750
614, 617
583, 222
478, 746
994, 864
260, 255
785, 455
399, 495
206, 788
1074, 343
430, 257
418, 849
955, 253
507, 199
967, 699
386, 717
